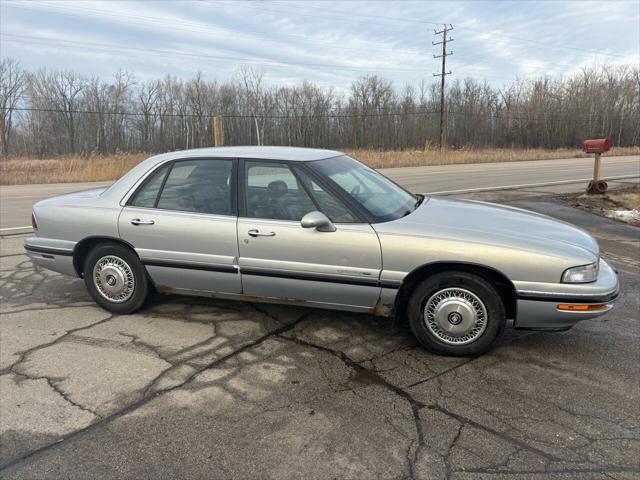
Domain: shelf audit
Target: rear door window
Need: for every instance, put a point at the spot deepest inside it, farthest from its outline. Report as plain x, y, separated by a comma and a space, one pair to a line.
202, 186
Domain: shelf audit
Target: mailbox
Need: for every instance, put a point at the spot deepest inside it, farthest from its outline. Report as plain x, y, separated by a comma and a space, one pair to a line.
600, 145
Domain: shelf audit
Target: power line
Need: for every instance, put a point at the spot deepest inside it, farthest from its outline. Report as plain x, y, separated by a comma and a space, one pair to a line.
110, 48
367, 15
471, 61
486, 32
133, 104
505, 114
249, 34
536, 42
202, 28
208, 115
348, 18
192, 26
159, 52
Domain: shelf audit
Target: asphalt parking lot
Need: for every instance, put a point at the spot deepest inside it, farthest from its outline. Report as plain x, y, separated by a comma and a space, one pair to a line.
199, 388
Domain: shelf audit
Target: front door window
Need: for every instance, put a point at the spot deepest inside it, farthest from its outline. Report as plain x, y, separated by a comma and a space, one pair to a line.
273, 192
276, 192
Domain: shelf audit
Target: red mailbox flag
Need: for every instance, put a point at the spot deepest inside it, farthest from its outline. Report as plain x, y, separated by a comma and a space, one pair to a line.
600, 145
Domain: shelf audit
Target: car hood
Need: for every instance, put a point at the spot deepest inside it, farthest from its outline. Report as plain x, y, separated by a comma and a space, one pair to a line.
485, 222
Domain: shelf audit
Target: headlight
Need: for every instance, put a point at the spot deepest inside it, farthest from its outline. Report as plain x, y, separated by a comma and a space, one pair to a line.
581, 274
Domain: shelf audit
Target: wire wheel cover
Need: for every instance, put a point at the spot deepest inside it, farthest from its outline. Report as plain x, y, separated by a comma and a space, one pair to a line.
455, 316
114, 279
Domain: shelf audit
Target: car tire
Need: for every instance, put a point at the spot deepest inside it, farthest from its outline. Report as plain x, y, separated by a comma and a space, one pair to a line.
115, 278
456, 313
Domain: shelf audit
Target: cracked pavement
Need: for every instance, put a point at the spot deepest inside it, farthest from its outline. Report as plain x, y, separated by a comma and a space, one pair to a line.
202, 388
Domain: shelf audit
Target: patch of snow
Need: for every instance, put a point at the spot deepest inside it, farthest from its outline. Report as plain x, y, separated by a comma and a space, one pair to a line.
626, 215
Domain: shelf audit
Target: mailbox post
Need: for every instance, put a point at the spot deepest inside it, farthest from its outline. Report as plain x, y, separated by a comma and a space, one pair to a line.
598, 147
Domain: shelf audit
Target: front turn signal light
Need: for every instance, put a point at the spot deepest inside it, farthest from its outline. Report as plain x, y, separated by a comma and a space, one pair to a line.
582, 308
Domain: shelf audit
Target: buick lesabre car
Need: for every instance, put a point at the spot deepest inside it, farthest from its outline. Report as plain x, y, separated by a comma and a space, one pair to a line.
315, 227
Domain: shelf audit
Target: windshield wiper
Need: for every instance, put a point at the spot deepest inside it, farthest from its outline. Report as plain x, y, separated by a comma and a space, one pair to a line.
415, 206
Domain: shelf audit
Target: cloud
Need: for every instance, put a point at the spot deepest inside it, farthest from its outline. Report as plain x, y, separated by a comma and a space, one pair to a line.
328, 42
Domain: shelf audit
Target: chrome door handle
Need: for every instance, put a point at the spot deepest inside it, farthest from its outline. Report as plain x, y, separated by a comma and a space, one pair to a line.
137, 221
257, 233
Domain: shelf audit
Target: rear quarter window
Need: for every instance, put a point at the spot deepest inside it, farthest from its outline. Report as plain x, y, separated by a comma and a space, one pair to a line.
147, 194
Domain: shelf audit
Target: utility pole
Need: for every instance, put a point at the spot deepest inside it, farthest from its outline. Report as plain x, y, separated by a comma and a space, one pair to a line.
446, 29
217, 131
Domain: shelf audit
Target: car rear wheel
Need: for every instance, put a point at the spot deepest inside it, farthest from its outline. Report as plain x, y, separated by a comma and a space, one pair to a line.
456, 313
115, 278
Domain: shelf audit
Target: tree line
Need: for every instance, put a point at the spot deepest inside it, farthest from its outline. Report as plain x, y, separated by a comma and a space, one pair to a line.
46, 113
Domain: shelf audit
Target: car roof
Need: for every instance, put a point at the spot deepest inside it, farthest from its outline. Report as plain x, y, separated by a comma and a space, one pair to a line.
268, 153
124, 183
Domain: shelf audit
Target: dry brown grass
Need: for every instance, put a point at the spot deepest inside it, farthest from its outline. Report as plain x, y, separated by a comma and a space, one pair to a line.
416, 158
16, 171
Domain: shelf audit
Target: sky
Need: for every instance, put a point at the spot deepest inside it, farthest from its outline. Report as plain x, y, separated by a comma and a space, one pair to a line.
329, 42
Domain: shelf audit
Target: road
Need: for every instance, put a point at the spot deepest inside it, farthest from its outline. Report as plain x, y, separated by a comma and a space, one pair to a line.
16, 200
444, 179
203, 388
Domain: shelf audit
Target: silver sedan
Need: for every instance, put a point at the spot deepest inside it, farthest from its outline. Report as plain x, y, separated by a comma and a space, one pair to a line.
315, 227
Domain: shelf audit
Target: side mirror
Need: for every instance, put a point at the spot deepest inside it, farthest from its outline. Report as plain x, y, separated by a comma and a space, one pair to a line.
319, 221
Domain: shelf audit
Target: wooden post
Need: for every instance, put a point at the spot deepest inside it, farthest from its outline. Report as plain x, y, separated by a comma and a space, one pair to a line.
217, 131
596, 185
596, 169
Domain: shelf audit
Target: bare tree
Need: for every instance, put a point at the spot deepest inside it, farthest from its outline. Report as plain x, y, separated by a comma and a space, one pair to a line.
251, 81
59, 92
66, 87
12, 85
120, 101
147, 99
109, 115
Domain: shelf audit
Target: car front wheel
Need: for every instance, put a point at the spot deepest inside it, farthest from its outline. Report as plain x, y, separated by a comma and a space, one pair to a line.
115, 278
456, 313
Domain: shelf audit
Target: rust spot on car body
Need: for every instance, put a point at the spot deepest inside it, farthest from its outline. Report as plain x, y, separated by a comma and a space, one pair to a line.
381, 309
259, 299
165, 289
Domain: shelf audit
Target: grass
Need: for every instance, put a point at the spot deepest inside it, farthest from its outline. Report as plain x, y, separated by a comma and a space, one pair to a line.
415, 158
15, 171
620, 204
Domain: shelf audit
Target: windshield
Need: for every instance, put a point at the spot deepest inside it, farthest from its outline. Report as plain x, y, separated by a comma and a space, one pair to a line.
379, 196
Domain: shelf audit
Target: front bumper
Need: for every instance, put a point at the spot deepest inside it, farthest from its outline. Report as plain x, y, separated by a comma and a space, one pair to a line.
538, 303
